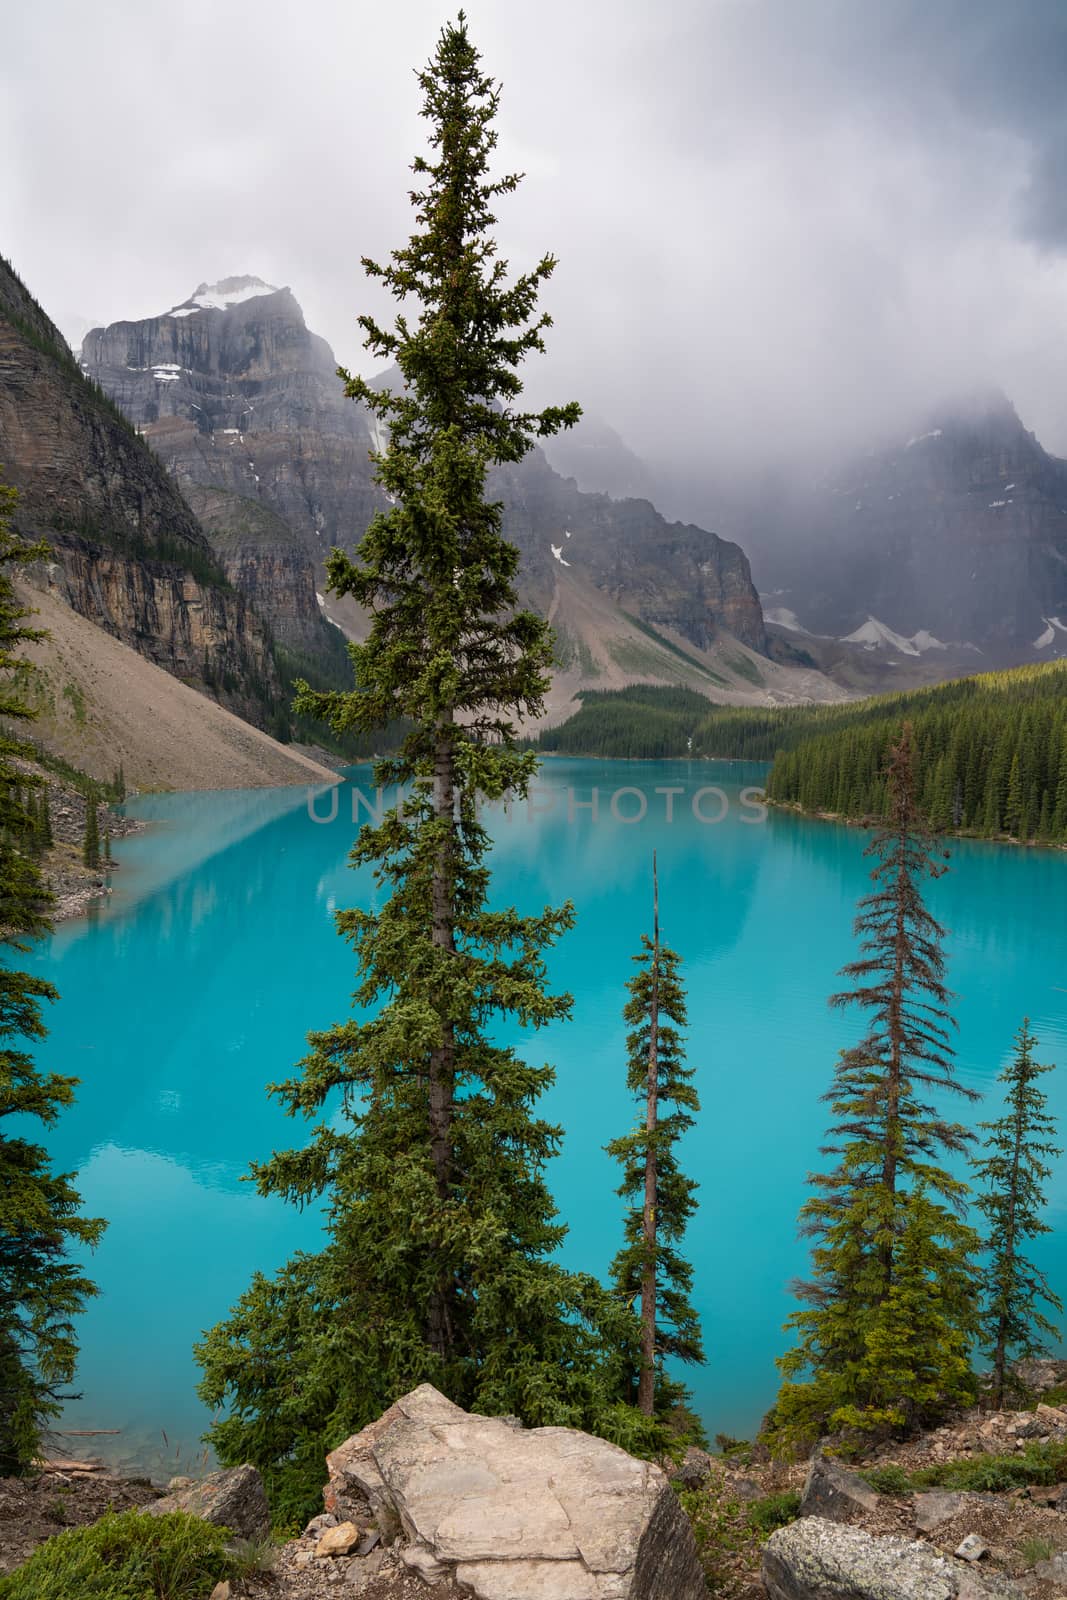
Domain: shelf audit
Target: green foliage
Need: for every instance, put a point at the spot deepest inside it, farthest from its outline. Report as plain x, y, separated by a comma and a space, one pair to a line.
772, 1511
644, 722
76, 700
1013, 1173
325, 673
129, 1555
890, 1479
727, 1445
426, 1157
990, 752
890, 1309
729, 1532
650, 1267
1034, 1549
675, 650
40, 1288
1041, 1463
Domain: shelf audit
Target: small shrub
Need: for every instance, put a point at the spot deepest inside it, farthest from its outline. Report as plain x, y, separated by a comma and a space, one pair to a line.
890, 1479
722, 1532
1035, 1549
128, 1555
1040, 1463
774, 1511
1051, 1397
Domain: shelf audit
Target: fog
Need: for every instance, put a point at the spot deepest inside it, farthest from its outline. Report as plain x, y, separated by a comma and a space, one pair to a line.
782, 225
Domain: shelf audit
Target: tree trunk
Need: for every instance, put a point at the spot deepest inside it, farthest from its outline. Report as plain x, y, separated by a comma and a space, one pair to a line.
443, 1057
896, 1062
646, 1383
1000, 1353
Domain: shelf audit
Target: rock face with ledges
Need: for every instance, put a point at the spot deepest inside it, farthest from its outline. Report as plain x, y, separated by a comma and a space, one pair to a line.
513, 1513
814, 1559
129, 553
240, 398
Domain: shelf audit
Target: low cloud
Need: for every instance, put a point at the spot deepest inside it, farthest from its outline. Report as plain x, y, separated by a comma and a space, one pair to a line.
781, 224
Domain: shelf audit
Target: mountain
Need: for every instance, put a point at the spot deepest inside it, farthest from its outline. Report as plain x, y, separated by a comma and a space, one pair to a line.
101, 705
244, 406
600, 461
242, 402
129, 554
949, 544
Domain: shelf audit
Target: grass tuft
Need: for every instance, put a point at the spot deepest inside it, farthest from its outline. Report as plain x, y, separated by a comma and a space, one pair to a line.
130, 1555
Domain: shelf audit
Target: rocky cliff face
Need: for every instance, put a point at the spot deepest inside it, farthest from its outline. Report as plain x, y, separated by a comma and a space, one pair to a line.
243, 404
129, 553
957, 533
666, 574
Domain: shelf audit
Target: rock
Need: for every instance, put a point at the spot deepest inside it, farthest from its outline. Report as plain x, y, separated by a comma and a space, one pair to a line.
231, 1499
1042, 1495
369, 1543
253, 424
936, 1507
325, 1519
971, 1548
222, 1591
831, 1491
339, 1541
744, 1488
695, 1468
513, 1513
814, 1559
1039, 1375
1054, 1571
362, 1572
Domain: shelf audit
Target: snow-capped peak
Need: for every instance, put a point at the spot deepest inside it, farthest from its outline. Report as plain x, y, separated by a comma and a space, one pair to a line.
222, 295
873, 633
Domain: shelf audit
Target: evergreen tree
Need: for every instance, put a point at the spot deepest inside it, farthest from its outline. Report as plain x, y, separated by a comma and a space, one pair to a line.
1014, 1172
890, 1308
41, 1289
649, 1268
91, 842
439, 1259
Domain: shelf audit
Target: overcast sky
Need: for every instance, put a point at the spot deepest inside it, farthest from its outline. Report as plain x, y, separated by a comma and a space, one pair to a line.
779, 222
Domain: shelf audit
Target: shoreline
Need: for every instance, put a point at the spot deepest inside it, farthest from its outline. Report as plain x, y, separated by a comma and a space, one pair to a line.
869, 823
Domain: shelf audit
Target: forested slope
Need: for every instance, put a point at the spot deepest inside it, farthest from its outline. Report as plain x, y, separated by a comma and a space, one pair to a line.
992, 749
992, 755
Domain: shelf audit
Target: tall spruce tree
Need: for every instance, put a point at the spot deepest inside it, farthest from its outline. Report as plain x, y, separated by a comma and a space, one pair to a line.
41, 1288
439, 1259
890, 1309
1012, 1174
91, 840
650, 1269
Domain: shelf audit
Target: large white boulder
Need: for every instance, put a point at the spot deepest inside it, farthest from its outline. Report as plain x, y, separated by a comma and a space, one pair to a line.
514, 1513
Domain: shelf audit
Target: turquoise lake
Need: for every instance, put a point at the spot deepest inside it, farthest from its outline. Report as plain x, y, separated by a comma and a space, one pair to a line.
193, 986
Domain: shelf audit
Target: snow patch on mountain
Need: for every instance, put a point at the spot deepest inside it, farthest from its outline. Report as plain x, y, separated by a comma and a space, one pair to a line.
557, 551
222, 295
782, 617
1053, 625
935, 433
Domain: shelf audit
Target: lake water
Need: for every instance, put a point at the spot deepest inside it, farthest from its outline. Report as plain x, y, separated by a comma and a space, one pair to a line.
193, 987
